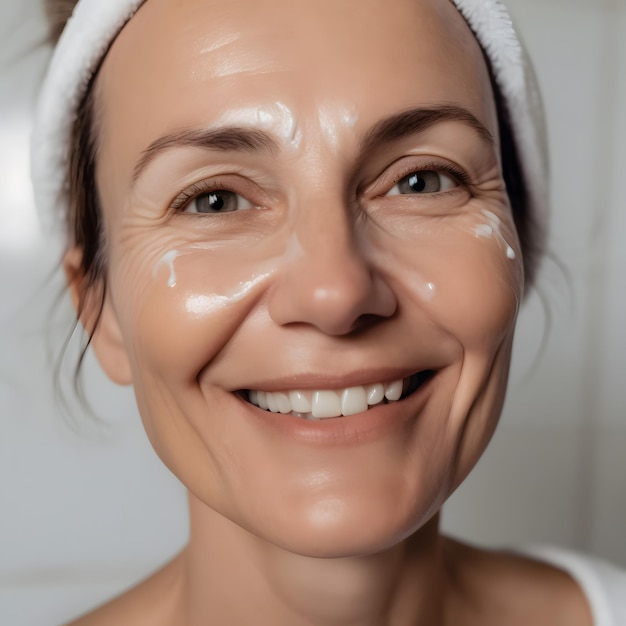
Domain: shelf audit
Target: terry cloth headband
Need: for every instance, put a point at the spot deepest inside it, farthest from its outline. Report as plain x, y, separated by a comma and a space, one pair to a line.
96, 23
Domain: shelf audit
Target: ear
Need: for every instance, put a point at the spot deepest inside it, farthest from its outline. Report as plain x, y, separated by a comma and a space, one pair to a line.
98, 317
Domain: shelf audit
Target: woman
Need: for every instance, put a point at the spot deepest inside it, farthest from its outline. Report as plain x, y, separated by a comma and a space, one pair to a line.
302, 232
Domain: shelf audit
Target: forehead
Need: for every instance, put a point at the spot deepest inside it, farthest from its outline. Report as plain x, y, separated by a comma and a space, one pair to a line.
184, 63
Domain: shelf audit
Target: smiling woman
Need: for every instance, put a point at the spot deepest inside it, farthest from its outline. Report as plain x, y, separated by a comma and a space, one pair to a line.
307, 260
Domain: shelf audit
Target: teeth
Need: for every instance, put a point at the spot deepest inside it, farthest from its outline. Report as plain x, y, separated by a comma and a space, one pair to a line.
272, 405
328, 403
299, 402
375, 394
282, 401
394, 391
353, 401
261, 400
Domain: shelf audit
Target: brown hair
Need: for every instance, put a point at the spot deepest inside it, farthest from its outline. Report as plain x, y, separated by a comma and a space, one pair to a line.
83, 218
58, 13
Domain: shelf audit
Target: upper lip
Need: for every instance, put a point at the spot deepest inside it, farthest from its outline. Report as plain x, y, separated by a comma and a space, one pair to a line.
313, 381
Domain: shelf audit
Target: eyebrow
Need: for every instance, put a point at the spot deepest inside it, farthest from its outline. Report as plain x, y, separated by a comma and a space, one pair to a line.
234, 138
418, 120
231, 138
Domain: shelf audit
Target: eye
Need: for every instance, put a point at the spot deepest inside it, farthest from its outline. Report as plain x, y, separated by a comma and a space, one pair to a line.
423, 182
217, 201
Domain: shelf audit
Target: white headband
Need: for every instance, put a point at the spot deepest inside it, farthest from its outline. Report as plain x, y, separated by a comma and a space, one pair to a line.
96, 23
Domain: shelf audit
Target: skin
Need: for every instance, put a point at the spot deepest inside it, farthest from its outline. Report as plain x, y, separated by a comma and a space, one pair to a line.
331, 279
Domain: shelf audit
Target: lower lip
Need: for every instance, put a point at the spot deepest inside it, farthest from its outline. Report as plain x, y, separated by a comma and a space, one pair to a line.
375, 423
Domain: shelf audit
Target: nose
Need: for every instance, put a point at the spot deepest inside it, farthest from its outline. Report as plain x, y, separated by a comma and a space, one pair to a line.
327, 280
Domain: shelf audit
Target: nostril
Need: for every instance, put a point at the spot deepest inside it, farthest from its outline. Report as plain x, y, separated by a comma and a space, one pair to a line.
365, 322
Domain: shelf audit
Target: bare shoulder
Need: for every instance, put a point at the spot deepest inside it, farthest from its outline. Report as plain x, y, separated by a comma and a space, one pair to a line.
509, 588
152, 602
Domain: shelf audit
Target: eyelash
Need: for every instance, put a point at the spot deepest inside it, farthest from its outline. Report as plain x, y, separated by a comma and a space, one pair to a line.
204, 186
457, 174
195, 190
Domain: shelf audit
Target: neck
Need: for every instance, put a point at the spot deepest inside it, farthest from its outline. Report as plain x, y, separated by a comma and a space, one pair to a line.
234, 577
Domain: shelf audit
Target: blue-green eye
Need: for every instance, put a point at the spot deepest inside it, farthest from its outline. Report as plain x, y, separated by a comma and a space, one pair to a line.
423, 182
217, 201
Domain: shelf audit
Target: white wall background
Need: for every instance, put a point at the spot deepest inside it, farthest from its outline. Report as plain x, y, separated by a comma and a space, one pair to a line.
84, 512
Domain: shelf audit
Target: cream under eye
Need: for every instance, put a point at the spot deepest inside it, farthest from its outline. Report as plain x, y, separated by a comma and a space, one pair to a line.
423, 182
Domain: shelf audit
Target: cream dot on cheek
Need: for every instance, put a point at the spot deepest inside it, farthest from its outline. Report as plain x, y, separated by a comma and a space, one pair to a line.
428, 291
493, 229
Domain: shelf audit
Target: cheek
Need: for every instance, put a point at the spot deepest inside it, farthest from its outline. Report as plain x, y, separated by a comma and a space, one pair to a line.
174, 330
469, 284
476, 284
182, 307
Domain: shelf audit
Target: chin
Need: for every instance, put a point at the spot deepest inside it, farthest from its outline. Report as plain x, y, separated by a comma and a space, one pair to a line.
342, 527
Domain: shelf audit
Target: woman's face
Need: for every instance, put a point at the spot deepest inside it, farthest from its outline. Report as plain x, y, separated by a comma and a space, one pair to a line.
305, 198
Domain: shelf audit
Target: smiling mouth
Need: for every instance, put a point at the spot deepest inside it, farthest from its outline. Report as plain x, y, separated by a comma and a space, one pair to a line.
332, 403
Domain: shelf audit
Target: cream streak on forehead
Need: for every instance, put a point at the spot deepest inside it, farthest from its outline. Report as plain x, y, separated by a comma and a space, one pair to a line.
279, 119
220, 41
229, 60
276, 118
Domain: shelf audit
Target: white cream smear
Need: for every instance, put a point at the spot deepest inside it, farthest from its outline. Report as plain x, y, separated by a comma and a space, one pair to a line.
168, 260
276, 118
229, 65
493, 229
206, 304
221, 42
